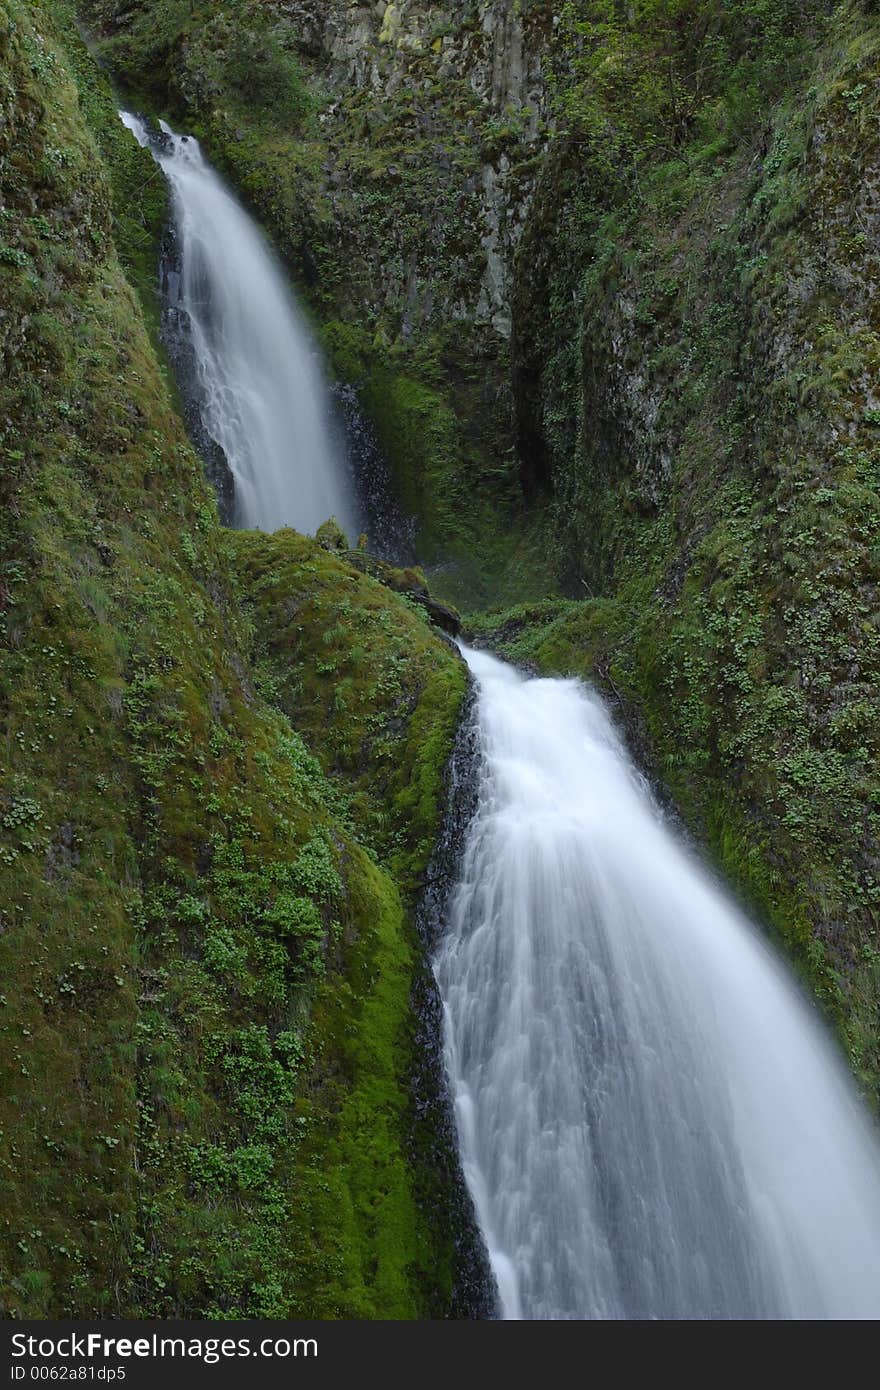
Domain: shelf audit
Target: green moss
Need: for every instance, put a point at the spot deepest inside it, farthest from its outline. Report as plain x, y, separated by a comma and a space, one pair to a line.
442, 445
187, 896
139, 199
370, 684
377, 695
224, 753
361, 1247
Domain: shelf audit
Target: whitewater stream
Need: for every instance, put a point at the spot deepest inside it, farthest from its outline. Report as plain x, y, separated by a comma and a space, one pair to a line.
261, 393
653, 1121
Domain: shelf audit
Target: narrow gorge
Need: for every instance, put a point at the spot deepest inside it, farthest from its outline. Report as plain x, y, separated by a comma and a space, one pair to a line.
350, 971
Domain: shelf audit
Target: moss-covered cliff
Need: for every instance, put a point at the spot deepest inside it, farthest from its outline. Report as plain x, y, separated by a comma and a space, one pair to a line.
207, 884
604, 275
701, 398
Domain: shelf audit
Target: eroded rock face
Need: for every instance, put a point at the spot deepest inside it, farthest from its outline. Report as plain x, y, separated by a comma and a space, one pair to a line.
474, 76
392, 152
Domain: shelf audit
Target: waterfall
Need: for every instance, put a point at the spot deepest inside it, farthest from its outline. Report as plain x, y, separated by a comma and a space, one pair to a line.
652, 1120
260, 394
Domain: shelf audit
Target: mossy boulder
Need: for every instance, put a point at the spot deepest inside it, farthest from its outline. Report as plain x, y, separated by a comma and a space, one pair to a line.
330, 536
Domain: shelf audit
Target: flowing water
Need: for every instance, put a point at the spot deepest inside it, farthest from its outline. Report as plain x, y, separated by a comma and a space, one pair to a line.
653, 1122
261, 394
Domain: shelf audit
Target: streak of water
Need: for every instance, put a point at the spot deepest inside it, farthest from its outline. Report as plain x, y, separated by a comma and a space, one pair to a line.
261, 393
653, 1121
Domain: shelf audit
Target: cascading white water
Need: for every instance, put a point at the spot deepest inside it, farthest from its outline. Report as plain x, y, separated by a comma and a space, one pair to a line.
653, 1122
262, 395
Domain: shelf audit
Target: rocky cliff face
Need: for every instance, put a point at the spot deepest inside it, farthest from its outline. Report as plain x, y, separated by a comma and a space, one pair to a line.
500, 58
697, 365
207, 932
471, 79
392, 155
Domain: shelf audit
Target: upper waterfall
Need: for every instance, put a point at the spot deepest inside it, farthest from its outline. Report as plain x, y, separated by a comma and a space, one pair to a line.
653, 1121
262, 397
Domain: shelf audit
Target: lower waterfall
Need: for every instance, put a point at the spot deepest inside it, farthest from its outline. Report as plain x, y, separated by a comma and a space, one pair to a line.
653, 1122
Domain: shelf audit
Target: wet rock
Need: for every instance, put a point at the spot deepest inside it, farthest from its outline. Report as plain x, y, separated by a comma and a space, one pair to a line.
474, 1291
